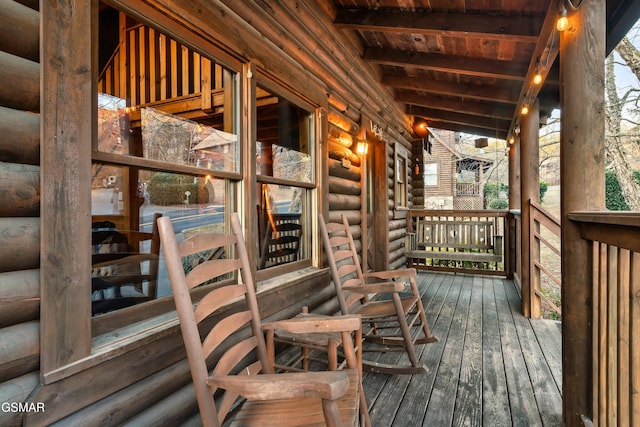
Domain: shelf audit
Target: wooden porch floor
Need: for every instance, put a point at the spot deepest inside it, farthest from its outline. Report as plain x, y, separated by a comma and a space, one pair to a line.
491, 366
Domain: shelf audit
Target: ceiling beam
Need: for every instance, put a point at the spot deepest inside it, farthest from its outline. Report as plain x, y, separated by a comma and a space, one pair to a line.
431, 114
491, 68
467, 91
543, 58
515, 28
487, 109
489, 133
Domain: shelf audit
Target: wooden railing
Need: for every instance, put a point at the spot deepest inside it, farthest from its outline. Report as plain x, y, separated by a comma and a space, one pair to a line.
468, 189
469, 241
544, 250
615, 240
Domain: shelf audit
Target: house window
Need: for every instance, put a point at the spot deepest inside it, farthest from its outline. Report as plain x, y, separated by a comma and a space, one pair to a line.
402, 178
431, 173
167, 144
285, 179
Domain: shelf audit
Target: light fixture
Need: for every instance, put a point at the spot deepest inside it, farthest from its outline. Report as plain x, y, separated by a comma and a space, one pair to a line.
420, 128
362, 148
525, 110
563, 22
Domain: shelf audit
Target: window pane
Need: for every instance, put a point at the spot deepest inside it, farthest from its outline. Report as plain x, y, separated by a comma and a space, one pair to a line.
285, 138
128, 266
282, 220
162, 100
431, 174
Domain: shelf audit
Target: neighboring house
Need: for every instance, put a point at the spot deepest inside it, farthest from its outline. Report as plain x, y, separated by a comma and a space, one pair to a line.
451, 179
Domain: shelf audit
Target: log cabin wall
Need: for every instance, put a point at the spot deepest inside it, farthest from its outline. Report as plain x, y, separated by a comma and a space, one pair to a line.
152, 385
19, 203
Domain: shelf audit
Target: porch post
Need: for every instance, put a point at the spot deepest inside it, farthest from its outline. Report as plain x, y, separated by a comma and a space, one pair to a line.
514, 204
582, 54
529, 191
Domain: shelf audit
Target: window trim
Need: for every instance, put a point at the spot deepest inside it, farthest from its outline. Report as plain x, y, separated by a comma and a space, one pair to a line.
66, 341
276, 88
401, 156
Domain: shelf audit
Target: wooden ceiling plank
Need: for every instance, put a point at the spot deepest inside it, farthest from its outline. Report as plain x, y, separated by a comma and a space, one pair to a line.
484, 92
524, 28
510, 70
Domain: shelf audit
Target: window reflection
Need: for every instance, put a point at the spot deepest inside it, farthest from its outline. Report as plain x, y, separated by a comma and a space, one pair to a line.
284, 152
127, 263
281, 225
166, 145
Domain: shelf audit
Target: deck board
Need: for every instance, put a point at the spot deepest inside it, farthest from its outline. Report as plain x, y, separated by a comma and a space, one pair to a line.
491, 367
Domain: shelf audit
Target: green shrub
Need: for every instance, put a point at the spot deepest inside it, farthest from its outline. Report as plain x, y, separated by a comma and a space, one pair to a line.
168, 189
543, 189
499, 204
614, 200
492, 192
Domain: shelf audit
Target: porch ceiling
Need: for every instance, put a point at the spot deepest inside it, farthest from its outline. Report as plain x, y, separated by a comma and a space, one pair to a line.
467, 65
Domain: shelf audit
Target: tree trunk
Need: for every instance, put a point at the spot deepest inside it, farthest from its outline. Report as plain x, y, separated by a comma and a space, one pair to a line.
617, 160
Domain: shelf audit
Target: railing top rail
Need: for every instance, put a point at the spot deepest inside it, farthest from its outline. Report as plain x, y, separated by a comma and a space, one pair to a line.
548, 215
459, 213
621, 229
626, 218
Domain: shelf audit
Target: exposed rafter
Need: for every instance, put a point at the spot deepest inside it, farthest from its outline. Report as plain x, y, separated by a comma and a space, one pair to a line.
457, 104
461, 119
485, 92
481, 67
524, 28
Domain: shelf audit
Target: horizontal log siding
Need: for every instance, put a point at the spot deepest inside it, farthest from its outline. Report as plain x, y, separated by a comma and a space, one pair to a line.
19, 297
19, 205
153, 383
142, 388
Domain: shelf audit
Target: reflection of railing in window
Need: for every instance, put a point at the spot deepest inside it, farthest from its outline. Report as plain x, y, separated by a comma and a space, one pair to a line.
281, 243
125, 266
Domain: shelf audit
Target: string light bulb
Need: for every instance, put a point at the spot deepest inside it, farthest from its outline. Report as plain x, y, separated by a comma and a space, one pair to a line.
525, 110
537, 77
512, 140
563, 22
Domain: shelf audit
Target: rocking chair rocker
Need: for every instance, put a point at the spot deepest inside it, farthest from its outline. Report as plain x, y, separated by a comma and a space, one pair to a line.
368, 295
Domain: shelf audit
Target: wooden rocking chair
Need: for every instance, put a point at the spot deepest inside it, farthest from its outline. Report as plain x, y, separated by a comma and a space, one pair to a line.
243, 385
385, 303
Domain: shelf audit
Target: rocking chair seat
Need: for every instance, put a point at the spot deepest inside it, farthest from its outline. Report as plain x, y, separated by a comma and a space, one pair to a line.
380, 308
280, 412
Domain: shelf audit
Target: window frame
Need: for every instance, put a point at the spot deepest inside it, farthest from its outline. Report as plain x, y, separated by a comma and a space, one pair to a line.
67, 343
401, 170
264, 81
437, 175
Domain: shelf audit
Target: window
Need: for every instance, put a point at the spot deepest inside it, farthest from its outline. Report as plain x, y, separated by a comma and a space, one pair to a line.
431, 173
402, 177
167, 145
285, 178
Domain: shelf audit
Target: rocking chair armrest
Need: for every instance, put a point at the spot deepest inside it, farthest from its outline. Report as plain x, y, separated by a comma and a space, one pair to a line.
328, 385
376, 288
314, 323
391, 274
